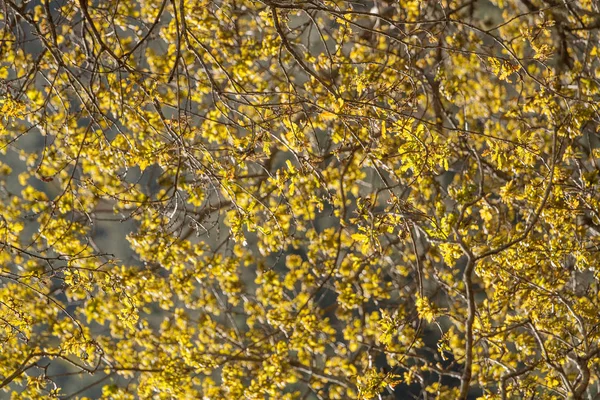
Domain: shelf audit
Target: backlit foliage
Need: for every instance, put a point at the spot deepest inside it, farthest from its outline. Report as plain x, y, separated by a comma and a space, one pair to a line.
324, 199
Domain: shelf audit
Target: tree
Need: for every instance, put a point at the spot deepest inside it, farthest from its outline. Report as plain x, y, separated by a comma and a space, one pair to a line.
327, 199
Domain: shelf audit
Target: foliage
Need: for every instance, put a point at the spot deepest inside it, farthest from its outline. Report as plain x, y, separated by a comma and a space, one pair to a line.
329, 199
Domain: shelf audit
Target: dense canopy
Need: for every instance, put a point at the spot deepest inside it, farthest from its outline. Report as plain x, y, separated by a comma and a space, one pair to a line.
299, 199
